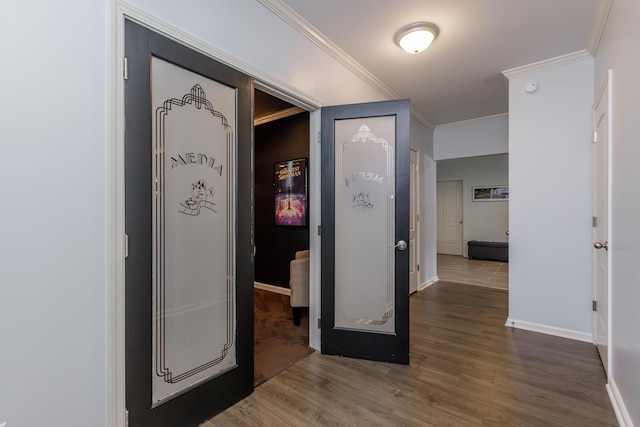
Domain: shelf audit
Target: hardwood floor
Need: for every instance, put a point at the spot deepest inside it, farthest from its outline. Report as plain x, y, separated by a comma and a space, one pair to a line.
491, 274
467, 369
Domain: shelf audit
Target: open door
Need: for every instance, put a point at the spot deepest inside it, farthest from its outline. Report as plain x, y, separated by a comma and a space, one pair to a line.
365, 231
414, 221
600, 191
189, 270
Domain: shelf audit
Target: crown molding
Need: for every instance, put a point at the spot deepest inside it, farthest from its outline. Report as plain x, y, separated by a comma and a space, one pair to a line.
548, 64
297, 22
604, 6
303, 27
262, 79
419, 117
473, 121
278, 115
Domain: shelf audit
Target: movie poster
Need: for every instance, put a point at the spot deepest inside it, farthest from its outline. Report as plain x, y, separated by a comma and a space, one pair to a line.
291, 193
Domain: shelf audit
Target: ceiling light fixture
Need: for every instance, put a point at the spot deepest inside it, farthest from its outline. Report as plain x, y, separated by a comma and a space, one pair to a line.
415, 38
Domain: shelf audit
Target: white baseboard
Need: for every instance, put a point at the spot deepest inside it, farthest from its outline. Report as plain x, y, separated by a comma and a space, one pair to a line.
428, 283
550, 330
272, 288
618, 405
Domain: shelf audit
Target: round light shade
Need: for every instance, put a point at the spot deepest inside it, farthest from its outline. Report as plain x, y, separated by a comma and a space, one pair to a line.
416, 37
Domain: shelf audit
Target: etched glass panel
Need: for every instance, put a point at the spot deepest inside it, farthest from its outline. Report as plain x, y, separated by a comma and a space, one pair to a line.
364, 221
193, 312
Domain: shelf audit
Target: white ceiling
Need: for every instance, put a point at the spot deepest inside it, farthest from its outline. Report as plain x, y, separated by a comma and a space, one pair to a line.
460, 76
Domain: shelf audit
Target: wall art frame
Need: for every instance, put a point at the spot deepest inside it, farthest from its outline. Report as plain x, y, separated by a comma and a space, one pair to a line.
496, 193
290, 193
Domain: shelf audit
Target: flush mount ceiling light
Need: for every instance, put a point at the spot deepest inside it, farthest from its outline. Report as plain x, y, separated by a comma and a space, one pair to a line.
415, 38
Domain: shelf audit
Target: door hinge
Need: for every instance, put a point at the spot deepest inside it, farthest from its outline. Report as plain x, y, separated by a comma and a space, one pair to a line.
594, 305
126, 246
318, 138
418, 218
319, 230
595, 137
125, 68
418, 267
594, 221
126, 418
319, 323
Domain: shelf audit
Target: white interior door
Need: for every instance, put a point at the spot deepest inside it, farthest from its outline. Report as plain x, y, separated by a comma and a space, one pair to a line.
449, 201
414, 219
601, 120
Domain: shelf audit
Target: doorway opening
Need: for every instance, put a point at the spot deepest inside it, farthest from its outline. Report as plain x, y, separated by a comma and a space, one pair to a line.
281, 141
465, 214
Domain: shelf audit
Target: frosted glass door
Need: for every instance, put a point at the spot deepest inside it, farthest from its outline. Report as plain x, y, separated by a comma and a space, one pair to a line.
365, 230
364, 224
193, 190
188, 217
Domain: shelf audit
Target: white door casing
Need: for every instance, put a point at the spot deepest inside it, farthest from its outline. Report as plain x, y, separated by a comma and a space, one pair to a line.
601, 144
414, 219
449, 205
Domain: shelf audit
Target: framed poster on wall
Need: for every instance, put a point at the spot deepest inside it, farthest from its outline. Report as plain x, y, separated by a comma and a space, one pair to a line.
491, 194
291, 193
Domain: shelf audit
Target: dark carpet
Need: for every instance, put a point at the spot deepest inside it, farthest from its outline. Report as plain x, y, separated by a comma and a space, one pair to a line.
278, 343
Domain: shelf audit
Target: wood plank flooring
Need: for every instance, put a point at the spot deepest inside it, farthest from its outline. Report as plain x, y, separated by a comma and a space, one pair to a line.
467, 369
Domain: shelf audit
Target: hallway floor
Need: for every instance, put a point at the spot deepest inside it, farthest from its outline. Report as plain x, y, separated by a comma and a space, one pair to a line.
467, 369
490, 274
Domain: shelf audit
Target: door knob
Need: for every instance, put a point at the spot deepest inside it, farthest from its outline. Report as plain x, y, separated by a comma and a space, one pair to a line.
402, 245
599, 245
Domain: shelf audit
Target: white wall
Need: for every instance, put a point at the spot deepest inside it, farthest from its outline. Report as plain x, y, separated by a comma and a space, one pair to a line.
550, 198
478, 137
482, 220
618, 51
255, 36
53, 233
422, 138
